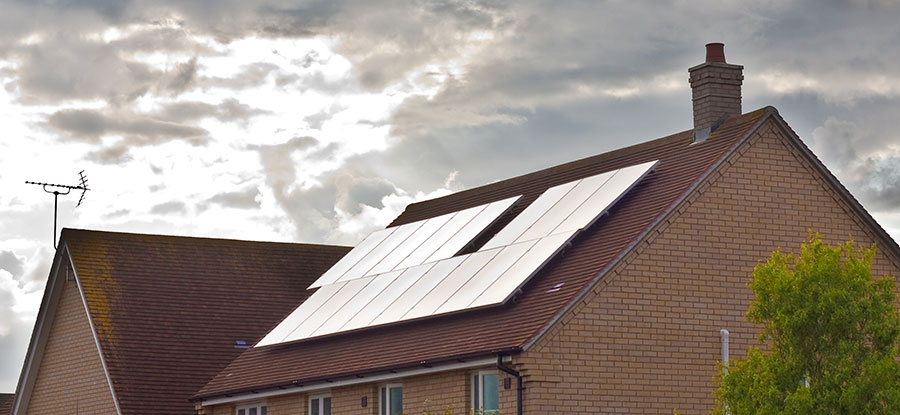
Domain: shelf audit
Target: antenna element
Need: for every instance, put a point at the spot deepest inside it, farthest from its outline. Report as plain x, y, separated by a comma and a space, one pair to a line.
62, 189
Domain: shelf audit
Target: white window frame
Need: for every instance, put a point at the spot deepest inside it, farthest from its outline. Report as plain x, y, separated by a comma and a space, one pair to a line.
321, 397
384, 405
478, 391
248, 406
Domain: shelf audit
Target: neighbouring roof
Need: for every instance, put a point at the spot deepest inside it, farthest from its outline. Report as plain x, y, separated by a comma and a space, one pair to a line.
169, 310
508, 327
6, 401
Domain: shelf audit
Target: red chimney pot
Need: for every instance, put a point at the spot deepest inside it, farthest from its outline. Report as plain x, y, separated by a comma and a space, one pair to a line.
715, 52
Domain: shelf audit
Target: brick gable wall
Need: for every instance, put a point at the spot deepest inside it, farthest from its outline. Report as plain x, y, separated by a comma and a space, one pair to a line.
646, 339
71, 379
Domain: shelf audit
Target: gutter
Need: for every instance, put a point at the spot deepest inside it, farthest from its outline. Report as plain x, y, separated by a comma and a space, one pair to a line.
520, 388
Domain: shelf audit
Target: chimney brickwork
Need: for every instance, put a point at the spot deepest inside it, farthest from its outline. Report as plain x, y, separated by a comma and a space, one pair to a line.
716, 91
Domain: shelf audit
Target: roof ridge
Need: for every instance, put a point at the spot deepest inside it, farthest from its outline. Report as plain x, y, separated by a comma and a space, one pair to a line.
190, 237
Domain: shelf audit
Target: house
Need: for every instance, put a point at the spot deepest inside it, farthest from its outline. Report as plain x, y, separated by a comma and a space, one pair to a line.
622, 315
6, 400
135, 324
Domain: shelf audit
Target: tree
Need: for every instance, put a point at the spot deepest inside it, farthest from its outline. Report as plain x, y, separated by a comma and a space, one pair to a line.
830, 334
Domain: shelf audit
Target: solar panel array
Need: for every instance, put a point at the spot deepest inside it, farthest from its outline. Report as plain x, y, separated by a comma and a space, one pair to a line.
415, 270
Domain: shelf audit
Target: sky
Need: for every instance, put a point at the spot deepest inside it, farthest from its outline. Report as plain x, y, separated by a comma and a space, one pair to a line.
319, 121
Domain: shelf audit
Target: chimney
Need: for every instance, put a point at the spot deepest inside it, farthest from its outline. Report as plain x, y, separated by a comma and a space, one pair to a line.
716, 91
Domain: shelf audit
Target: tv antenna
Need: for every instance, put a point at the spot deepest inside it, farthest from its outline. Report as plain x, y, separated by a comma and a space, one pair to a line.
62, 189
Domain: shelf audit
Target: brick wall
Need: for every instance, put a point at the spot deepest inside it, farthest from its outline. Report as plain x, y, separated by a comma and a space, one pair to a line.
646, 339
71, 379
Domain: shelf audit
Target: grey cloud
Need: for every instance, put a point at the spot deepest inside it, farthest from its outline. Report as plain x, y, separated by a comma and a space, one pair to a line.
114, 154
168, 208
116, 214
12, 263
241, 199
181, 78
251, 75
90, 125
228, 110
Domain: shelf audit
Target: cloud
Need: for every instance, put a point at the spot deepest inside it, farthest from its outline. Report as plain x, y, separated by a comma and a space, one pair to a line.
181, 78
229, 110
91, 125
242, 199
12, 263
169, 208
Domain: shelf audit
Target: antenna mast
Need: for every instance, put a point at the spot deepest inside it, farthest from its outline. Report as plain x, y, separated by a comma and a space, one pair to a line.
62, 189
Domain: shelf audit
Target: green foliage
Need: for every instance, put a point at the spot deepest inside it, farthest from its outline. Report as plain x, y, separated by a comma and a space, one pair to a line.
832, 333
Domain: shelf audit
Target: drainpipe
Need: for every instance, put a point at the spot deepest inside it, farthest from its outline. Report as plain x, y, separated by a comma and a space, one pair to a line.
518, 377
724, 334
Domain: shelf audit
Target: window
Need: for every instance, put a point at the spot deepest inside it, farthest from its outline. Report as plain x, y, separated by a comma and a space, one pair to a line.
320, 405
391, 402
485, 393
258, 408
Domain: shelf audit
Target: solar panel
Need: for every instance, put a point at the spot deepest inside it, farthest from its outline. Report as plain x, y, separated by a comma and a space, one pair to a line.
387, 296
418, 290
519, 273
328, 308
352, 257
611, 191
473, 229
562, 209
414, 270
400, 235
428, 228
486, 276
337, 320
300, 314
527, 217
421, 254
452, 282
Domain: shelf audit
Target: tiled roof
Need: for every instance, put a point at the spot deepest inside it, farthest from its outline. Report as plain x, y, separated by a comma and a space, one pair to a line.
6, 401
507, 327
169, 311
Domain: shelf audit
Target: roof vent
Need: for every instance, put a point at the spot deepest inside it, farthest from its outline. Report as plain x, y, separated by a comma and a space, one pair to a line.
715, 90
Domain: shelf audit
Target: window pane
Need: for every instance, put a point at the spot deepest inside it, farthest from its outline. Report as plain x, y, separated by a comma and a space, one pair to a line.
262, 410
314, 407
252, 411
476, 401
396, 401
326, 406
383, 402
241, 412
490, 393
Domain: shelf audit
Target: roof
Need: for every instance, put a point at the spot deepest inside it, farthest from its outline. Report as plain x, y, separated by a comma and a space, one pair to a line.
506, 328
169, 310
6, 401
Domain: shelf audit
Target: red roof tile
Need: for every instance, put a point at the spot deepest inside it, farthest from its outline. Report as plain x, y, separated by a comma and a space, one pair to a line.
507, 327
169, 310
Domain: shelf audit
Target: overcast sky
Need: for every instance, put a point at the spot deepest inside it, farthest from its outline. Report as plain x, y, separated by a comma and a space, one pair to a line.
319, 121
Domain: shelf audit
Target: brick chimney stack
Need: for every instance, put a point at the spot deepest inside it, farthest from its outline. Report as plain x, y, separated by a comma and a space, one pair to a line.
716, 90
